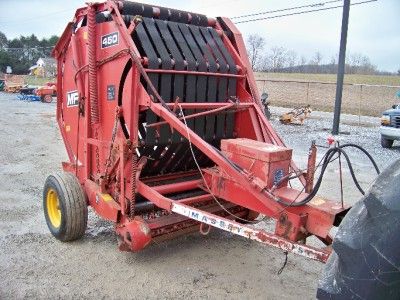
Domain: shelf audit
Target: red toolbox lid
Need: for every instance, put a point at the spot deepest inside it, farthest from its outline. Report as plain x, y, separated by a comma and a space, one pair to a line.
256, 150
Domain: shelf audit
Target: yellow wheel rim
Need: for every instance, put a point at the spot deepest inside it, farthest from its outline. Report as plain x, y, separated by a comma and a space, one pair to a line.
53, 208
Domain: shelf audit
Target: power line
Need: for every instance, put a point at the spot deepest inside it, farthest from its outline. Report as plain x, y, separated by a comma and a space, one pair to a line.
286, 9
302, 12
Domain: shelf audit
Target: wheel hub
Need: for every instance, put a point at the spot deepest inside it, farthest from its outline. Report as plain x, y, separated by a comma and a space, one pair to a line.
53, 208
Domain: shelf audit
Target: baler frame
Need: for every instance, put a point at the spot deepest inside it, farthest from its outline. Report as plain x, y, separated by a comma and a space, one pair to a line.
238, 189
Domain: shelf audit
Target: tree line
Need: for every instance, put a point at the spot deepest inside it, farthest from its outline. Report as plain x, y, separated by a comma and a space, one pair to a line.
280, 59
23, 52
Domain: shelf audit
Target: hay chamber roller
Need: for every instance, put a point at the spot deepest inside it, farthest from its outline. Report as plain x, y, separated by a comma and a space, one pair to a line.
165, 134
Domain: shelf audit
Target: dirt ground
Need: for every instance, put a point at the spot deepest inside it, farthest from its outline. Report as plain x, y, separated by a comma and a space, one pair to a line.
34, 265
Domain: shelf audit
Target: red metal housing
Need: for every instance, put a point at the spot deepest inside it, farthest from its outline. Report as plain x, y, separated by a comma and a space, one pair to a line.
163, 126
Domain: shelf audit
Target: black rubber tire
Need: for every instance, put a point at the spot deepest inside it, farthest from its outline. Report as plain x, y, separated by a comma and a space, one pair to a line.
46, 98
365, 263
72, 204
386, 143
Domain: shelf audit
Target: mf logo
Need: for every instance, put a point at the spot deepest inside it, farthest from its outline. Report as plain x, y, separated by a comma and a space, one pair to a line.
72, 98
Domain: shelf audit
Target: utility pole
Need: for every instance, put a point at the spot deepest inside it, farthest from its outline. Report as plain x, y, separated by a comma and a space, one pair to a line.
341, 67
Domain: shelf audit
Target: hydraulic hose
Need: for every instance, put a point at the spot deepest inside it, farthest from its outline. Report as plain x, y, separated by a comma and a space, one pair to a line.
326, 160
365, 152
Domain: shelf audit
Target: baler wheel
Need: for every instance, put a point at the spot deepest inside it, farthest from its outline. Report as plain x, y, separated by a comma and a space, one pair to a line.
365, 263
65, 207
47, 99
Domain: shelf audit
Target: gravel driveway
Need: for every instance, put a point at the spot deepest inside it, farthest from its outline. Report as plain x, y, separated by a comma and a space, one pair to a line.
35, 265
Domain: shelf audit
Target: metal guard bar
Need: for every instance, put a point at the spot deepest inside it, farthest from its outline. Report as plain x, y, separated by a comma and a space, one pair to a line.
251, 233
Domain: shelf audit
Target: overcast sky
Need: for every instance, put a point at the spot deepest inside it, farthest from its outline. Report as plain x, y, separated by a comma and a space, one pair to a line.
374, 28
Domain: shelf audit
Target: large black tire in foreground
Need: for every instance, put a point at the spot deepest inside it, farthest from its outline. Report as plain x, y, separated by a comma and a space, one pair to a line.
65, 207
365, 263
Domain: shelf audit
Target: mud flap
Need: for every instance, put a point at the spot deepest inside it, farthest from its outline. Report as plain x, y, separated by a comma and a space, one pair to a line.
365, 263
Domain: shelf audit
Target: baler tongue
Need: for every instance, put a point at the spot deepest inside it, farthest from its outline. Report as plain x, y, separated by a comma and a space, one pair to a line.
164, 130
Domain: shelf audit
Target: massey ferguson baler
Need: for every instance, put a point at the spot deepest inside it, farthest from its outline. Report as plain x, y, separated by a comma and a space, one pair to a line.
165, 134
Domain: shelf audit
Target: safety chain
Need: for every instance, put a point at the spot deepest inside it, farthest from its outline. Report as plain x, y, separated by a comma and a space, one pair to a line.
113, 136
97, 153
99, 63
133, 183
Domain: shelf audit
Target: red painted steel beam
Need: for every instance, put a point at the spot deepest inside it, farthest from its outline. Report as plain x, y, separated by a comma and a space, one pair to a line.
195, 199
209, 105
196, 115
161, 178
177, 187
161, 71
153, 196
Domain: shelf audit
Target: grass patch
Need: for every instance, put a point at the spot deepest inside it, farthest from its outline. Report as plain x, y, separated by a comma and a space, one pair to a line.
350, 78
37, 81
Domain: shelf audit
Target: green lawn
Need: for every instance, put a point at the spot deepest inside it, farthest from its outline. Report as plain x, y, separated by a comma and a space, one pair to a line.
37, 81
353, 78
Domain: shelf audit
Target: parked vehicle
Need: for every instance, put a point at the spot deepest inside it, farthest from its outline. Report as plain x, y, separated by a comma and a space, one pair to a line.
390, 125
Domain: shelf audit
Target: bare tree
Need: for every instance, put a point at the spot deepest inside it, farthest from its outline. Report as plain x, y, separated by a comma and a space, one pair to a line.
264, 63
366, 66
358, 63
302, 62
315, 61
354, 61
317, 58
255, 45
277, 58
333, 67
291, 58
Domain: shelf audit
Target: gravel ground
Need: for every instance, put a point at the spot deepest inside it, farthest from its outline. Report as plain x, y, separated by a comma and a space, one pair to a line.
35, 265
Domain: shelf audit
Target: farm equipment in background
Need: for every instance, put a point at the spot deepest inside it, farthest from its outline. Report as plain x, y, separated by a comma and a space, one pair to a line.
28, 94
13, 83
165, 133
296, 116
13, 88
47, 92
44, 93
